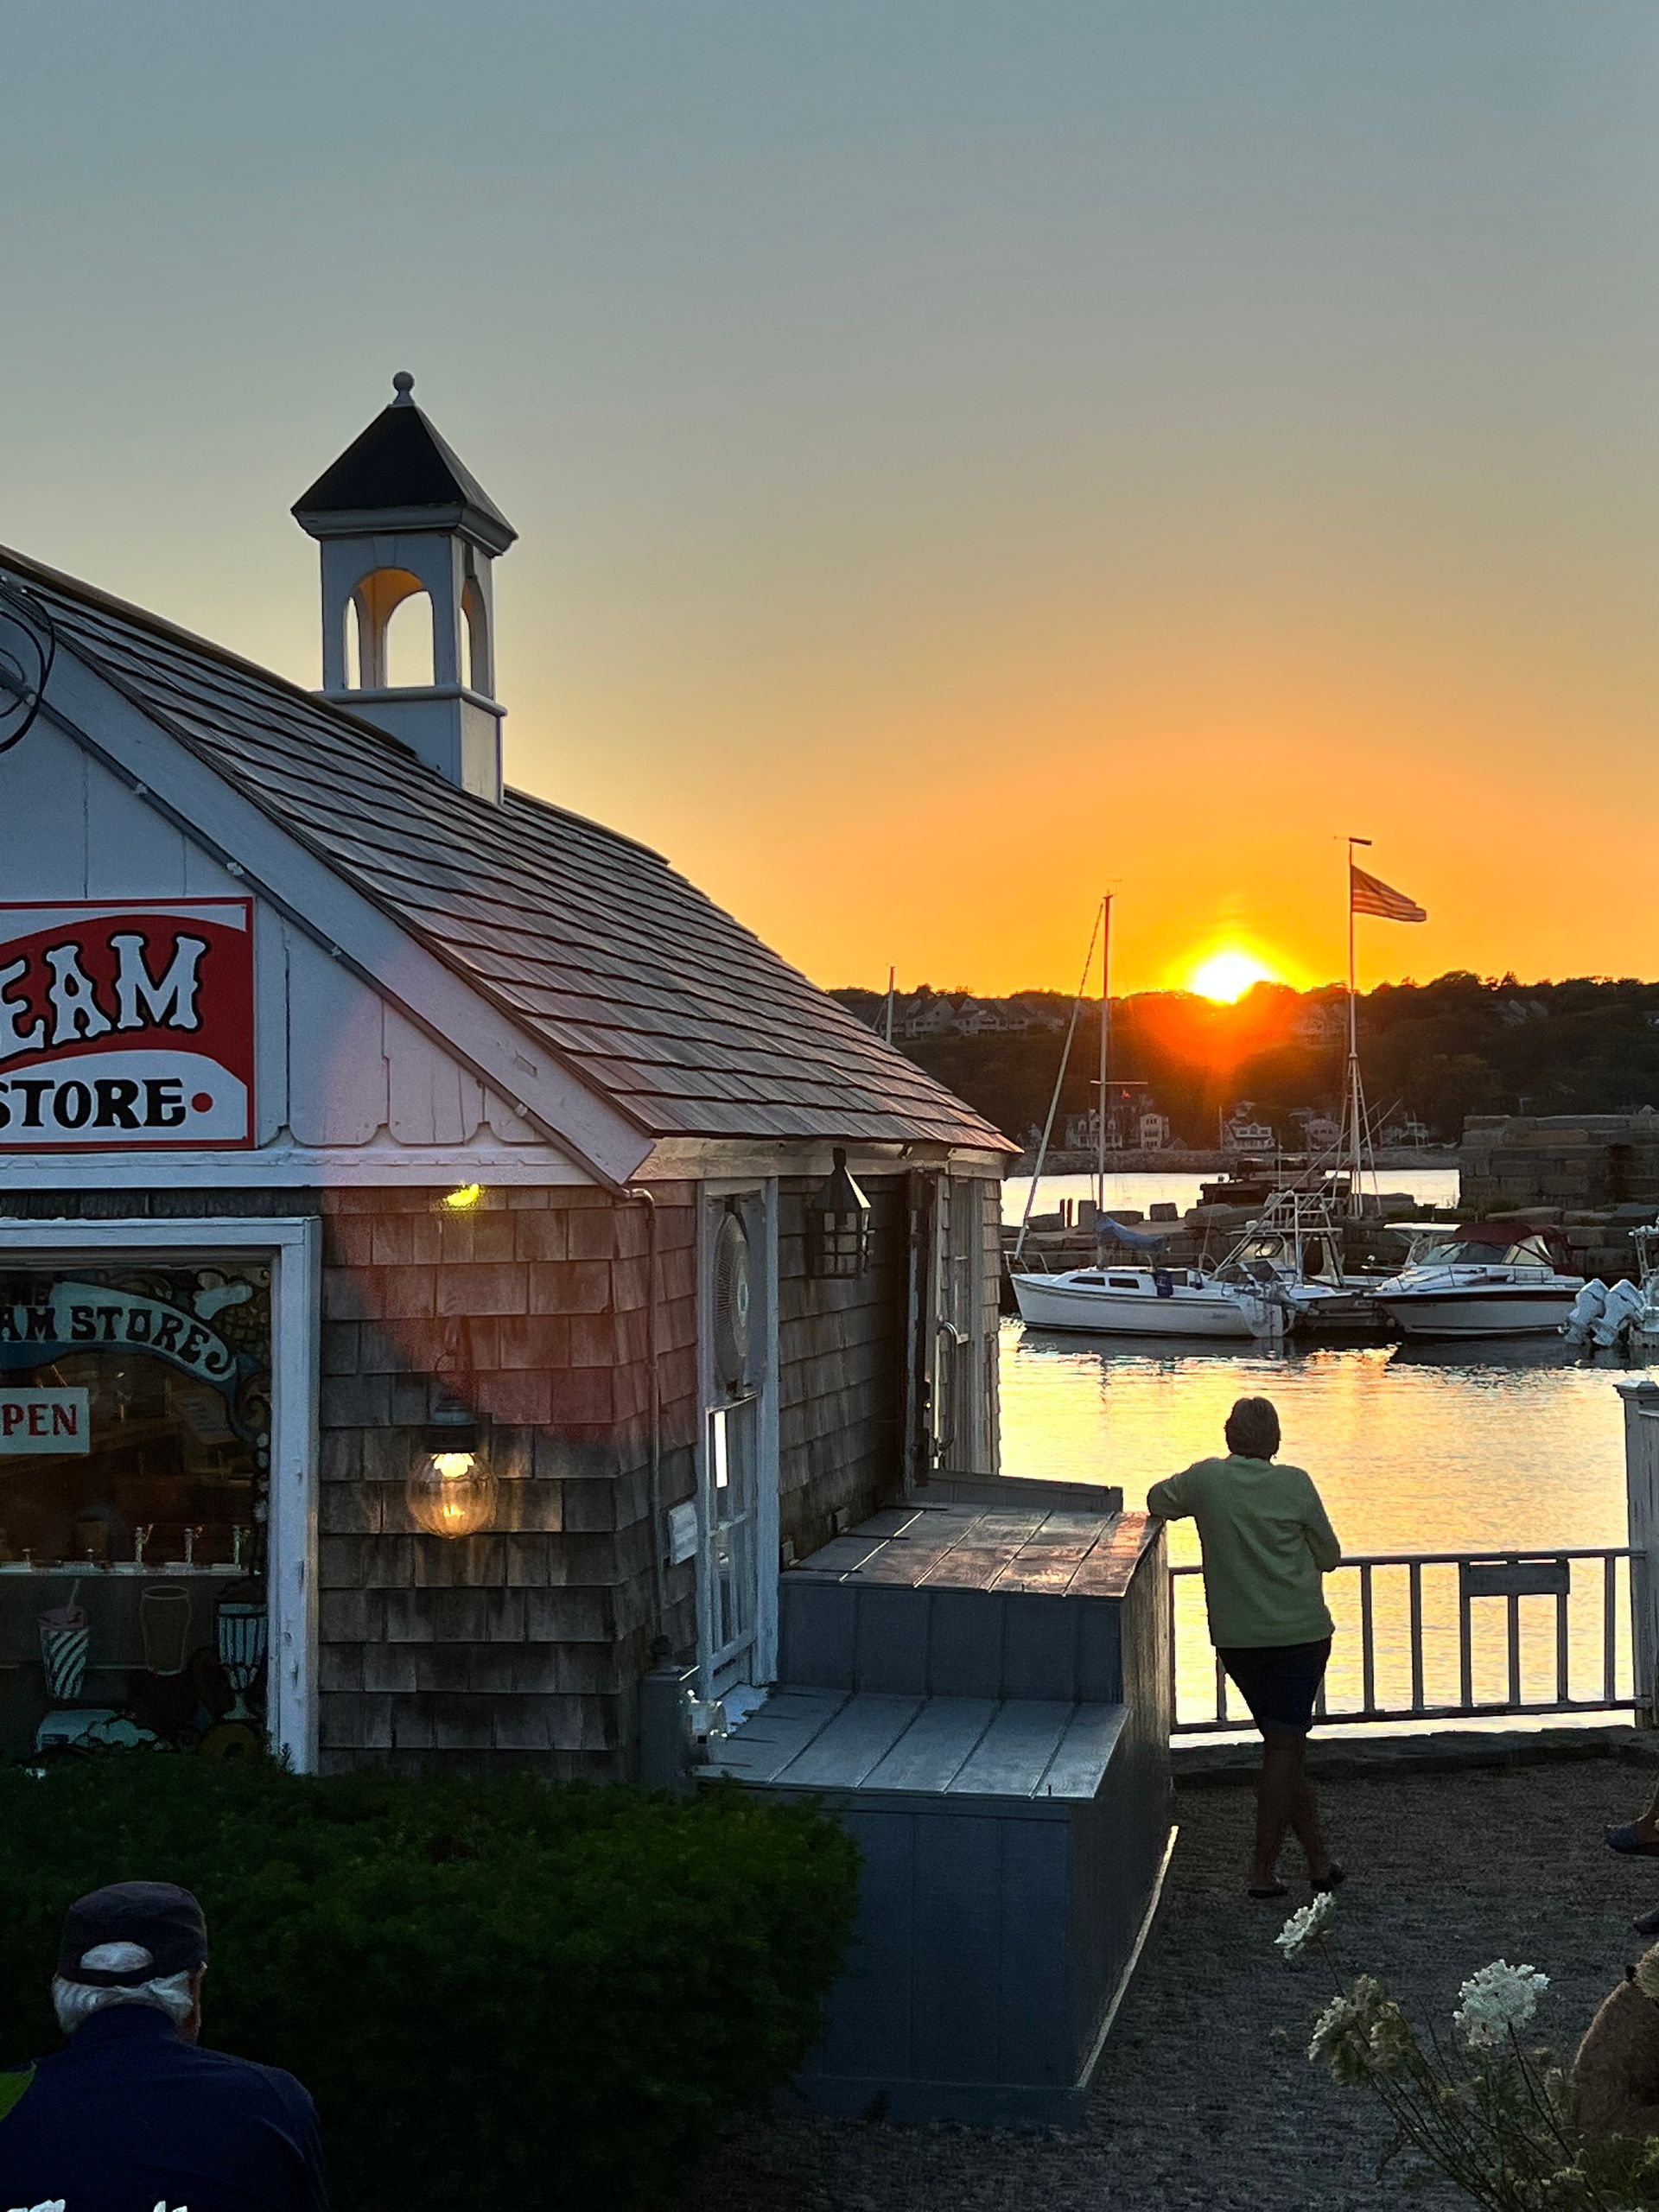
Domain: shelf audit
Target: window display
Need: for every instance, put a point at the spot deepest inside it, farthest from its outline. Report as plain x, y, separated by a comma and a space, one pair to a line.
135, 1448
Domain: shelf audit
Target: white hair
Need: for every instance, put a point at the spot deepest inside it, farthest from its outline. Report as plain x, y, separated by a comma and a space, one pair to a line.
75, 2001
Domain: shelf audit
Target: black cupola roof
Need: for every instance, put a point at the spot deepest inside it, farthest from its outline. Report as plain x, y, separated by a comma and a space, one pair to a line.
400, 473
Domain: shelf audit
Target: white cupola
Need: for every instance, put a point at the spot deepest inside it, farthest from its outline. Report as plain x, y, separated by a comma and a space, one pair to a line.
403, 525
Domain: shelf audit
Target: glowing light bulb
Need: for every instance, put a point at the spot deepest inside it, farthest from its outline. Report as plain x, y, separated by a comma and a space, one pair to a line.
463, 1199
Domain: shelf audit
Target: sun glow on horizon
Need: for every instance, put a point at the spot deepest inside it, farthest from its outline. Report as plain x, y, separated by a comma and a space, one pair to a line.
1228, 974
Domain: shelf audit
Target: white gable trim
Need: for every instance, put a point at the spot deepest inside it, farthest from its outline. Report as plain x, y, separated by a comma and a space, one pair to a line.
296, 1167
313, 898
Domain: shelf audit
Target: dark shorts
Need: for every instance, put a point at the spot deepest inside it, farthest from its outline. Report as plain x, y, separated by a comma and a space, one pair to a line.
1279, 1681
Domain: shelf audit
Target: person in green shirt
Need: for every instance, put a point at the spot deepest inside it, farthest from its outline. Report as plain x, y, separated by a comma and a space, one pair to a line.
1267, 1544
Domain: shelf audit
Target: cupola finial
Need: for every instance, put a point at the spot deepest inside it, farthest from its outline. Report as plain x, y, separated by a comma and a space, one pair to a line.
403, 385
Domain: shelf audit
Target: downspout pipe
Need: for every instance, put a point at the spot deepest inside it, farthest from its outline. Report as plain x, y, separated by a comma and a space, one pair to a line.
636, 1196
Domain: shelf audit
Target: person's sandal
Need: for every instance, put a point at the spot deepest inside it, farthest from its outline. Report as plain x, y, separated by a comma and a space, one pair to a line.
1332, 1879
1630, 1842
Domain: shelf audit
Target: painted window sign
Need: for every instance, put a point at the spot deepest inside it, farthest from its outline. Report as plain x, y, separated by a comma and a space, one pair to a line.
125, 1026
66, 1317
133, 1542
45, 1420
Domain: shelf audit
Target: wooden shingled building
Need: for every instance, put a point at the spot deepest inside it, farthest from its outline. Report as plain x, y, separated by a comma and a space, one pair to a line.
441, 1253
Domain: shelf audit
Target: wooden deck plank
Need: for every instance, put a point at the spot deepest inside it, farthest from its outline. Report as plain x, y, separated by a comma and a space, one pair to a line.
908, 1561
1106, 1571
1016, 1751
1044, 1565
1084, 1751
933, 1750
859, 1736
841, 1556
776, 1732
970, 1566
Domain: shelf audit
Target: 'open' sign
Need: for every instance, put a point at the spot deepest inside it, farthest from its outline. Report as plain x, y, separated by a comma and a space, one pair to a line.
45, 1420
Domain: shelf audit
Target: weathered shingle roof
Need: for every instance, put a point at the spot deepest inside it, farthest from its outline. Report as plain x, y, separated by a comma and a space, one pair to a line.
645, 989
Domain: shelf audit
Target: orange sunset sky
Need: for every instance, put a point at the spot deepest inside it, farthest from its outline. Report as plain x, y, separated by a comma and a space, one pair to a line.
964, 455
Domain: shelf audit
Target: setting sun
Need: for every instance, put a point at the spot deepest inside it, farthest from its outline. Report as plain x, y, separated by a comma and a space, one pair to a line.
1229, 975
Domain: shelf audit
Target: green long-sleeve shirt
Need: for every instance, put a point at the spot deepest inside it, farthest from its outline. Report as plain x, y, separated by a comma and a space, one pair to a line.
1267, 1545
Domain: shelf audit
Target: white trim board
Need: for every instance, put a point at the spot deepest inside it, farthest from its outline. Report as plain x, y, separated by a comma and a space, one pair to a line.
293, 1167
295, 1249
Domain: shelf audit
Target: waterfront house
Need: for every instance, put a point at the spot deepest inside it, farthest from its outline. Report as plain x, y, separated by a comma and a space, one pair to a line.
441, 1253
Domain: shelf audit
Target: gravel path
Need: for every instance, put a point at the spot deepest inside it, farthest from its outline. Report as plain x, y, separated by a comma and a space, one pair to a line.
1204, 2100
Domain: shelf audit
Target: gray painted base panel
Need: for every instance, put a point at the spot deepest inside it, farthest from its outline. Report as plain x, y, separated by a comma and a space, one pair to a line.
984, 2104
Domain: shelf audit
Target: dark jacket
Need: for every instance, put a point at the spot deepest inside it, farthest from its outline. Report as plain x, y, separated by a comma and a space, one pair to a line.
127, 2116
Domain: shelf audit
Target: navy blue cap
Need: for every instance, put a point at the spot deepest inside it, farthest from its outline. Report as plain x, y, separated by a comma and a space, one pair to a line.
163, 1921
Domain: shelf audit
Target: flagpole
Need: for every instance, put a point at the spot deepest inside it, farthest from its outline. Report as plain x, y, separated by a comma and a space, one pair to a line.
1357, 1132
1105, 1049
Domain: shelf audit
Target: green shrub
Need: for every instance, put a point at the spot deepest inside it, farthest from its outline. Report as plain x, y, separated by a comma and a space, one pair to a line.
501, 1995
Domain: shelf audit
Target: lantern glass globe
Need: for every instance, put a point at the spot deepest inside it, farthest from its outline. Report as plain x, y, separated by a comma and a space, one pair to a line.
451, 1493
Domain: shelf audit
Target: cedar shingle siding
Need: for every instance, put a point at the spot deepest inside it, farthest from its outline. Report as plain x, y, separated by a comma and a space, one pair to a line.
840, 1373
523, 1648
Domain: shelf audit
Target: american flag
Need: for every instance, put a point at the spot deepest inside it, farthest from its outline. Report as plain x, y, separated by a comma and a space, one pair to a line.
1369, 895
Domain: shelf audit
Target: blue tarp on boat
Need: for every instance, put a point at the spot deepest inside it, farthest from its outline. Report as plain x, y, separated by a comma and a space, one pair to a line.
1137, 1240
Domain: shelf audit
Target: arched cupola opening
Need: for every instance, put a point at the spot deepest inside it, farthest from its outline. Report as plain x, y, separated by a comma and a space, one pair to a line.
408, 537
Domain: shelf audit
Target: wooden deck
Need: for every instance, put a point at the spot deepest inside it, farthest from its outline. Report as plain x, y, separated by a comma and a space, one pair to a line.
956, 1747
1058, 1554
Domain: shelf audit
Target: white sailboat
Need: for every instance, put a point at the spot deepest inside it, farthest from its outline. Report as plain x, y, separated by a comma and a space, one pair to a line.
1126, 1299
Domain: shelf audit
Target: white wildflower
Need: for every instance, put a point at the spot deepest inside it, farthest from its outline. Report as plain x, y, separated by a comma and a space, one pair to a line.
1336, 2018
1497, 2000
1305, 1926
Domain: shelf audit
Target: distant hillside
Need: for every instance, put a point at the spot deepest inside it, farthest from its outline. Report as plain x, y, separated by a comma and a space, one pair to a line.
1461, 1045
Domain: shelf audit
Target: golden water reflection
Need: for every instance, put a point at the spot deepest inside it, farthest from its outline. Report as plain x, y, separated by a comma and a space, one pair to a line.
1422, 1449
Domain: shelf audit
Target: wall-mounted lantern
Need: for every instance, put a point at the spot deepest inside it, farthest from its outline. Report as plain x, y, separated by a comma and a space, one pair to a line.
838, 1227
451, 1488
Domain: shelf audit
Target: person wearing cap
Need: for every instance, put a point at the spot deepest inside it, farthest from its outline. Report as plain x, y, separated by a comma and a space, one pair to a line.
131, 2113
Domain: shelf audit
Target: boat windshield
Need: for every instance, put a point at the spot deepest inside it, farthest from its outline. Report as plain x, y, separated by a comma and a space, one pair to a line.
1459, 1252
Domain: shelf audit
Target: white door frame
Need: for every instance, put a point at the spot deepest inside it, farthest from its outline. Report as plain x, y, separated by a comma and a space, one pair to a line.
764, 1667
293, 1248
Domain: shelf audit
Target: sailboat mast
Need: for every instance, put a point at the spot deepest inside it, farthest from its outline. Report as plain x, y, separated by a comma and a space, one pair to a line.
1105, 1049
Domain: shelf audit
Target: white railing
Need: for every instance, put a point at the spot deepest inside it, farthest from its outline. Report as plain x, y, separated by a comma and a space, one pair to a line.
1410, 1644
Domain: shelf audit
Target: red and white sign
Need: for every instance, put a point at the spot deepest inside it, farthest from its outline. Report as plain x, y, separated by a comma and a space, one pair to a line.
125, 1026
45, 1421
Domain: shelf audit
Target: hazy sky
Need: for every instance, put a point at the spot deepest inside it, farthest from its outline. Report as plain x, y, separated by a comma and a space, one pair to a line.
962, 454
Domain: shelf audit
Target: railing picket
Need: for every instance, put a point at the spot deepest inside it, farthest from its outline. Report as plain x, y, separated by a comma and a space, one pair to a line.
1367, 1637
1610, 1626
1373, 1708
1416, 1636
1563, 1653
1512, 1632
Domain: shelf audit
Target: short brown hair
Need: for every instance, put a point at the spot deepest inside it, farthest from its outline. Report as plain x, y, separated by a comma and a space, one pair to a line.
1252, 1429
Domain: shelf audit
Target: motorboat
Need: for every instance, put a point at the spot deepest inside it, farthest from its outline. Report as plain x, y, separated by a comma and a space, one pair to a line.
1482, 1279
1293, 1255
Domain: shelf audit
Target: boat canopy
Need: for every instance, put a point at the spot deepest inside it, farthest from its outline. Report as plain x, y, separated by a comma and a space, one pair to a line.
1134, 1240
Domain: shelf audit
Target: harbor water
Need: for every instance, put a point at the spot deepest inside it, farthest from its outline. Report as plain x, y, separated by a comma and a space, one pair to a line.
1423, 1448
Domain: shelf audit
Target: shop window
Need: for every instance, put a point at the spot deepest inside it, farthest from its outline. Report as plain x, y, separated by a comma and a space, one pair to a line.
135, 1448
